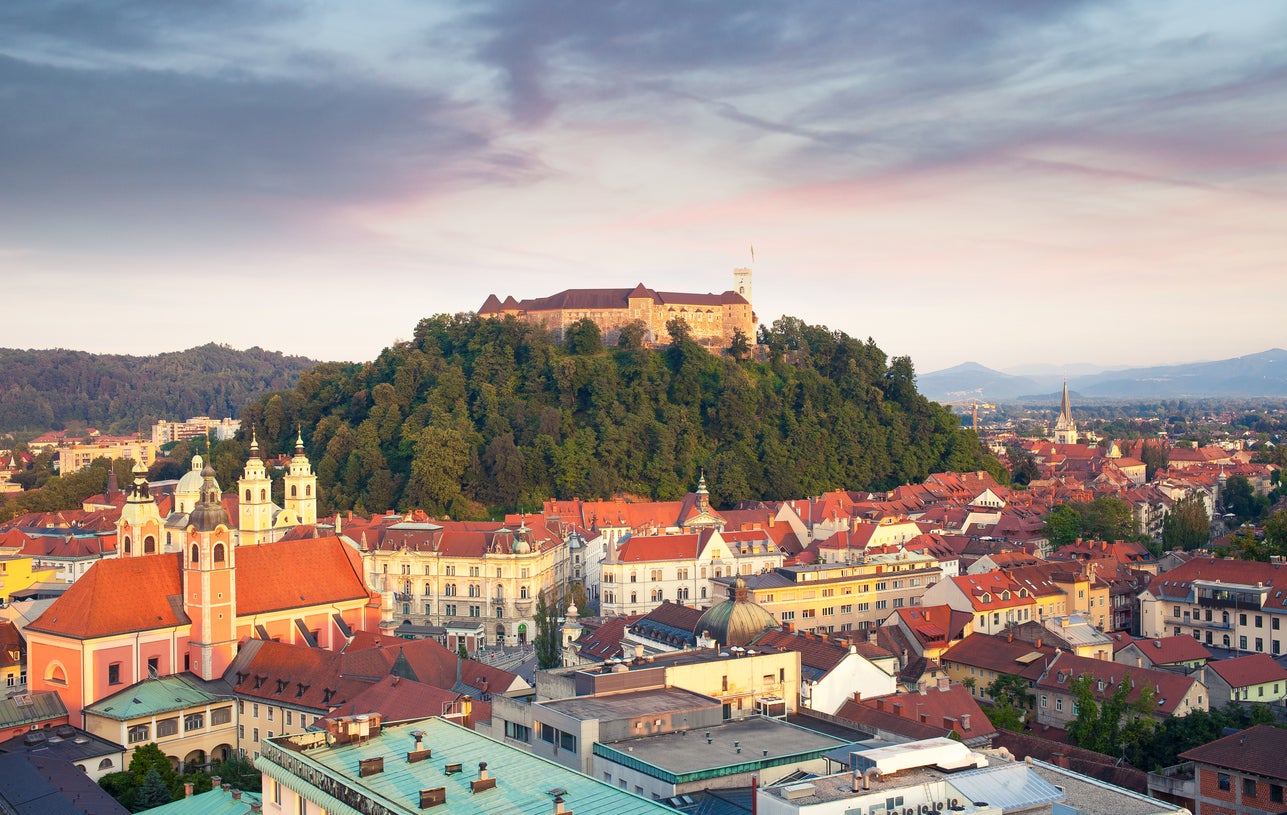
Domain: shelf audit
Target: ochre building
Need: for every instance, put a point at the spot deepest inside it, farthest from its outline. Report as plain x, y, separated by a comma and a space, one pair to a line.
712, 318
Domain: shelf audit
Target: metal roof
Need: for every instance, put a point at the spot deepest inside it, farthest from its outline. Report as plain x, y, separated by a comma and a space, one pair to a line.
1011, 787
160, 695
525, 783
26, 708
213, 802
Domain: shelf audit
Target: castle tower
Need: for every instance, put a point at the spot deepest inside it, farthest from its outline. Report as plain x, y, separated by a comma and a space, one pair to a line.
742, 283
209, 583
1065, 427
255, 494
301, 485
139, 530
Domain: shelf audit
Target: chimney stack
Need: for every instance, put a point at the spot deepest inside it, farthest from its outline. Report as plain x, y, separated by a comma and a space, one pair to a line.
559, 809
187, 789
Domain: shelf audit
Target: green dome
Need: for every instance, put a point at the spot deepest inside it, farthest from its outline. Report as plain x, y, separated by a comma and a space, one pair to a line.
736, 621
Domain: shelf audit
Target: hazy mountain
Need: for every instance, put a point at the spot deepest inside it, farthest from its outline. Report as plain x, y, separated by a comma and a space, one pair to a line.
970, 380
1262, 374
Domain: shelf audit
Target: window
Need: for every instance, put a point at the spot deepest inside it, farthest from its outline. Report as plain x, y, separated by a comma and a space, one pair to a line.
223, 715
241, 731
1248, 788
254, 710
1222, 780
289, 716
153, 666
114, 673
1059, 704
1242, 619
1274, 625
196, 721
138, 733
567, 741
847, 609
880, 604
518, 732
788, 615
167, 727
255, 731
548, 734
1276, 793
270, 713
1260, 621
1044, 701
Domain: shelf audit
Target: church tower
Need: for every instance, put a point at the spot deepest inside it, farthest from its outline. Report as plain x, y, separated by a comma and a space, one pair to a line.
139, 530
301, 485
1065, 427
255, 499
209, 584
742, 283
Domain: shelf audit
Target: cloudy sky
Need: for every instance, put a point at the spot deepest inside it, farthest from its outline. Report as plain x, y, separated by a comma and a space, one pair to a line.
1007, 182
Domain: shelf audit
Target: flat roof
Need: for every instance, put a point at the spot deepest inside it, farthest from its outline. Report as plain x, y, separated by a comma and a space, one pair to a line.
630, 704
525, 783
738, 746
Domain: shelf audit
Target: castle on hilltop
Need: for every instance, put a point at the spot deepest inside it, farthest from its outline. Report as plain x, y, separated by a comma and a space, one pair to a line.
712, 318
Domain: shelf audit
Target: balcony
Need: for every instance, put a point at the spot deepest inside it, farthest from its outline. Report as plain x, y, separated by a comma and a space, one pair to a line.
1173, 783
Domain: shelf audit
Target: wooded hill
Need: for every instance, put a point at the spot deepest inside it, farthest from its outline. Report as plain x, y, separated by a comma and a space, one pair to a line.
40, 390
474, 416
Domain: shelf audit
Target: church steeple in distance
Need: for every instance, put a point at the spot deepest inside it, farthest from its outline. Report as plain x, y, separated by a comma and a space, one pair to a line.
1065, 427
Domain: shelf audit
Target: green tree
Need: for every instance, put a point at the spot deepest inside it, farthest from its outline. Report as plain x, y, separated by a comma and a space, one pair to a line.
583, 338
1240, 498
440, 459
1155, 459
1187, 526
1023, 467
546, 643
240, 772
740, 345
1114, 724
1276, 530
1009, 694
152, 792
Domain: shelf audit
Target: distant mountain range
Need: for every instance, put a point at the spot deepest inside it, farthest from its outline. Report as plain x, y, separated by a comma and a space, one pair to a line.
1263, 374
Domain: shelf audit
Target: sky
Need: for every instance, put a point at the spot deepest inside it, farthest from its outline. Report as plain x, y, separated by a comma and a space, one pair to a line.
1005, 182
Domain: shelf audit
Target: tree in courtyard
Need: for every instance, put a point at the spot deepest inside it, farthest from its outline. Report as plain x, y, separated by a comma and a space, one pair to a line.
1114, 725
546, 642
1009, 695
1154, 458
1187, 526
152, 793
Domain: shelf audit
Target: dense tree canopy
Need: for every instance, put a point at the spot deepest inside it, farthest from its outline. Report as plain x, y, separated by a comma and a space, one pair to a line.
477, 415
1105, 518
40, 390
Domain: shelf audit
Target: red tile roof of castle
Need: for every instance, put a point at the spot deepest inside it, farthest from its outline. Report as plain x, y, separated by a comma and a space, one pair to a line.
121, 595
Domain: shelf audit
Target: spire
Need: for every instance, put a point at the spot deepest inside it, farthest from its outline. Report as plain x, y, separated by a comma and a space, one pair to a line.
703, 496
299, 440
254, 442
1065, 407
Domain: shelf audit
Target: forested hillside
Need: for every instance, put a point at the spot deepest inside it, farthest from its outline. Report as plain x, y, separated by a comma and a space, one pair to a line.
478, 415
40, 390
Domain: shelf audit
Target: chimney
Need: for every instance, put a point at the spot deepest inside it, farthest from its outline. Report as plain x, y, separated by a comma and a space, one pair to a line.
215, 782
965, 721
1139, 662
187, 789
1010, 637
1038, 642
236, 795
944, 683
256, 807
920, 686
559, 809
880, 703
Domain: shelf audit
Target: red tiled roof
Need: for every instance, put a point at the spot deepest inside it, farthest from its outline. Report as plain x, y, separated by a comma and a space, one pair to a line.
604, 642
1253, 669
814, 652
120, 595
1177, 584
645, 548
1000, 654
1257, 750
117, 596
1169, 689
946, 708
1172, 650
398, 699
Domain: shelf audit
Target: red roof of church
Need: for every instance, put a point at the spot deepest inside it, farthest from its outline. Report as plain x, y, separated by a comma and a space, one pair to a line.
121, 595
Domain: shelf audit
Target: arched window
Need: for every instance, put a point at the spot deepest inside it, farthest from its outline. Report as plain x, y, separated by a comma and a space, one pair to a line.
263, 495
149, 545
127, 544
294, 491
196, 554
168, 539
105, 764
247, 496
218, 553
55, 674
308, 490
634, 597
522, 592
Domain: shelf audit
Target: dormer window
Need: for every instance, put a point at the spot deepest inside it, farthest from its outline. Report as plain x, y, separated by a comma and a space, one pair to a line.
260, 680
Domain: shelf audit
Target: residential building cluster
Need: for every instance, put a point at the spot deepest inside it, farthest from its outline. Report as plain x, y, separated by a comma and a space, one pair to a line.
823, 653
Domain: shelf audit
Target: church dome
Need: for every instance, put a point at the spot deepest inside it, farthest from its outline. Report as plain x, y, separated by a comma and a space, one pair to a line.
736, 621
209, 512
190, 483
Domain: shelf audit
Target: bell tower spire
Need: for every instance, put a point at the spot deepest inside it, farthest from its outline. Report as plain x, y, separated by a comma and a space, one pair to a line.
139, 530
254, 494
209, 583
301, 485
1065, 427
